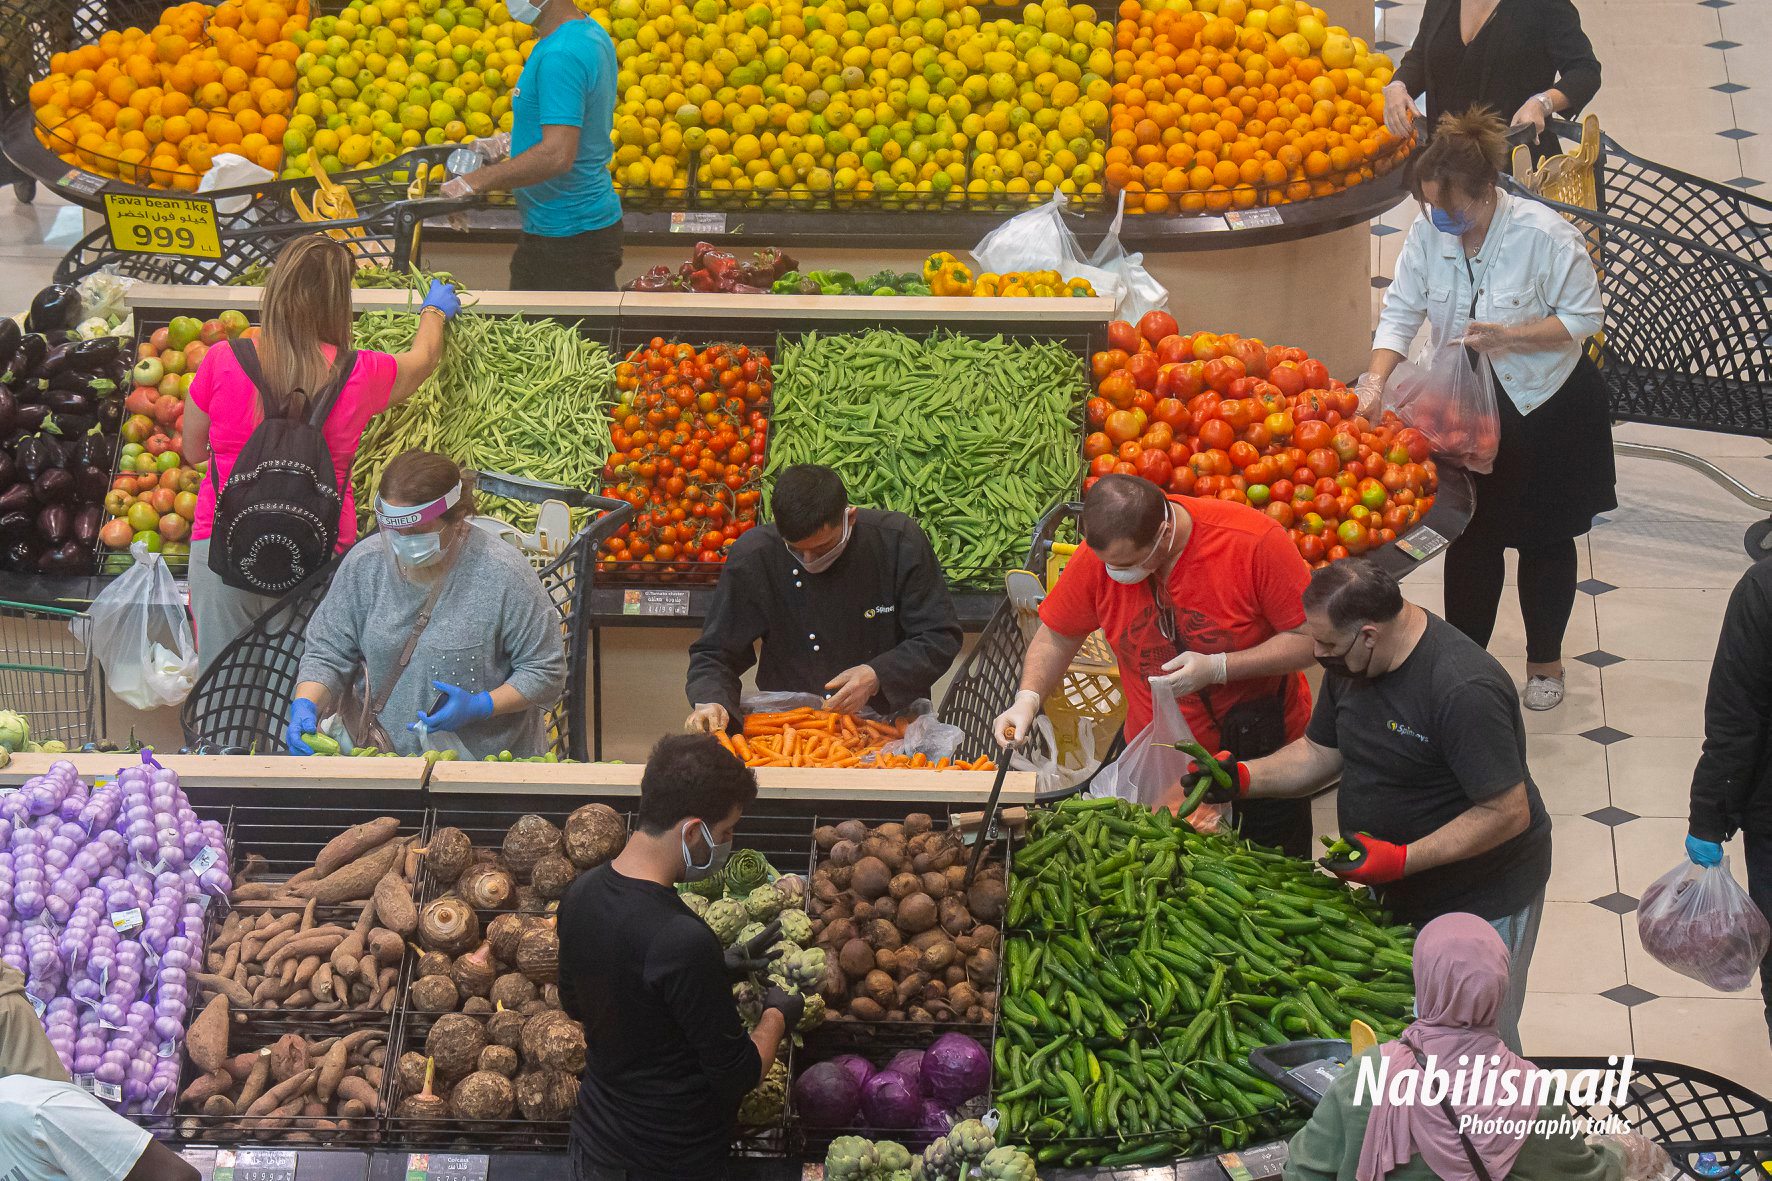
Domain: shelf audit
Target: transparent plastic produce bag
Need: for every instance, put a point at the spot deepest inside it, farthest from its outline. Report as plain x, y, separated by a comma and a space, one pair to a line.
1139, 290
141, 635
1701, 923
1038, 240
1442, 395
926, 735
1149, 771
1054, 771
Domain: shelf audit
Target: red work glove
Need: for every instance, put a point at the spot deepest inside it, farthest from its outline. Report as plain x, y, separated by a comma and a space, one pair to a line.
1373, 862
1215, 794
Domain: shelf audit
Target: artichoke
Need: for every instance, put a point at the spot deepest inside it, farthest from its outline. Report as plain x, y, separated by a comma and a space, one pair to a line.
792, 888
938, 1162
725, 917
1006, 1164
763, 1106
806, 968
796, 927
745, 871
711, 887
851, 1159
970, 1142
748, 932
696, 903
763, 903
894, 1157
749, 999
814, 1014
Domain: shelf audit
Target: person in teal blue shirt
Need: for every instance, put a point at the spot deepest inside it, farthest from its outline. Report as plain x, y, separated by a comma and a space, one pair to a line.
556, 155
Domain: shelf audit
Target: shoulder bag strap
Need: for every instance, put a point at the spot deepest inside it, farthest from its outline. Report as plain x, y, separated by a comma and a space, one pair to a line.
379, 698
343, 366
246, 356
1470, 1150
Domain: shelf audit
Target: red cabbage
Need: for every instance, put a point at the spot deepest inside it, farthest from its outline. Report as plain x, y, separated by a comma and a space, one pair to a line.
889, 1101
856, 1065
933, 1122
910, 1064
827, 1096
955, 1069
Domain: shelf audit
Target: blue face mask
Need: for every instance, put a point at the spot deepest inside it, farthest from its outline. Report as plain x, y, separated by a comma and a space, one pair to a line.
416, 549
523, 11
1449, 223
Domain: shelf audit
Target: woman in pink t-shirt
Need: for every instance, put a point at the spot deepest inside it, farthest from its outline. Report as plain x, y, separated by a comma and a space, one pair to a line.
306, 321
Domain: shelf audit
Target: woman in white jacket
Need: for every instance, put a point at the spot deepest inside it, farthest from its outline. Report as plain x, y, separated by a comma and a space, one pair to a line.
1512, 280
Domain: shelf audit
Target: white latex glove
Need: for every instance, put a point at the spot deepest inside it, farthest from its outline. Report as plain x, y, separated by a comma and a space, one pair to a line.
1487, 338
851, 689
708, 719
1370, 391
1399, 110
456, 186
1531, 111
1644, 1160
493, 148
1014, 724
1190, 672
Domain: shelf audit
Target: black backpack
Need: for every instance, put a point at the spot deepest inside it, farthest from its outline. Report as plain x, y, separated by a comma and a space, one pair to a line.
276, 519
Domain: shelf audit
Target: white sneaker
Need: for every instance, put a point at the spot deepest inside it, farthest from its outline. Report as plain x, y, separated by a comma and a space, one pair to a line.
1542, 693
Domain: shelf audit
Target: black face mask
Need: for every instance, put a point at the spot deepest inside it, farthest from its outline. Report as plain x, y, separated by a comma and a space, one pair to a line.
1336, 665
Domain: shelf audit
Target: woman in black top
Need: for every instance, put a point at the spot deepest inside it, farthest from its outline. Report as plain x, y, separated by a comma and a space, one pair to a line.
1528, 57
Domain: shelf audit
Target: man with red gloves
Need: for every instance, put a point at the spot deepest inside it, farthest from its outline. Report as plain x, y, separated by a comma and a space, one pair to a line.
1423, 728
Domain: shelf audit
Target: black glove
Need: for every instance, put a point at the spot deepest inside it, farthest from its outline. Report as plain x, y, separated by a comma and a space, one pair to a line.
1217, 793
742, 959
792, 1005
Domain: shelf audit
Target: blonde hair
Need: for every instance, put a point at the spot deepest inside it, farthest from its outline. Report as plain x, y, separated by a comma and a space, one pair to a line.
1467, 152
307, 303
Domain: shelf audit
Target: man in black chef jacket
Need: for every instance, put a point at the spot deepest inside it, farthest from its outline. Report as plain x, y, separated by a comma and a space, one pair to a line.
848, 602
667, 1060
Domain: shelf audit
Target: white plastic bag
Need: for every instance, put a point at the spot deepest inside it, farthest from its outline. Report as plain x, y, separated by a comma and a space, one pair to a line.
1149, 771
926, 735
776, 703
1038, 240
231, 171
1053, 773
1139, 290
1702, 924
1441, 395
141, 635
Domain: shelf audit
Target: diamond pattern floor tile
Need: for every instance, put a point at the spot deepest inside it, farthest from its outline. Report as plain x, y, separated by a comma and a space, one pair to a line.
1594, 586
1600, 659
1617, 903
1629, 995
1604, 735
1612, 817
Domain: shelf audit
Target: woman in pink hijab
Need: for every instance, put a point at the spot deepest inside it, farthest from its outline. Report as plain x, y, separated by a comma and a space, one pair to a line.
1460, 981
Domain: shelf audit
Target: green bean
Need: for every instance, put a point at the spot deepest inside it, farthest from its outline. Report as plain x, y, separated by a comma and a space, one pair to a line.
975, 438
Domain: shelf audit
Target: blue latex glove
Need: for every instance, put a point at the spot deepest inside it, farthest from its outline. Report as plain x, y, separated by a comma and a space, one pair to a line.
460, 709
304, 718
1705, 853
442, 297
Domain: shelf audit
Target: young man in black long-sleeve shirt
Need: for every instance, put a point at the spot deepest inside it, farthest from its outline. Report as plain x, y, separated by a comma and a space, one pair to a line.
668, 1059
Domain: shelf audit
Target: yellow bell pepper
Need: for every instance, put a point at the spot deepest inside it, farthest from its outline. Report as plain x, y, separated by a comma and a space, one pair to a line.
933, 264
952, 279
1044, 290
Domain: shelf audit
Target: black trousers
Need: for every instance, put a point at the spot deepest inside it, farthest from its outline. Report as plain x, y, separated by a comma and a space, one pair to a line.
582, 262
1475, 572
1759, 887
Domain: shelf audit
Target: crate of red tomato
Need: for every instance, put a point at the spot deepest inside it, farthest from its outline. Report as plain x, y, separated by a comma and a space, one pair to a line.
687, 444
1209, 414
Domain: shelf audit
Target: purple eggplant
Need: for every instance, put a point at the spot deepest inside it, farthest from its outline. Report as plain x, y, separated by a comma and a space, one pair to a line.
110, 414
87, 522
57, 359
94, 450
15, 525
55, 309
66, 403
97, 353
8, 411
10, 335
36, 455
54, 486
55, 523
18, 498
9, 470
70, 557
90, 483
32, 418
25, 359
21, 554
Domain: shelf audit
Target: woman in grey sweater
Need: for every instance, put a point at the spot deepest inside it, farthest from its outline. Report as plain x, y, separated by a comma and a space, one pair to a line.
479, 674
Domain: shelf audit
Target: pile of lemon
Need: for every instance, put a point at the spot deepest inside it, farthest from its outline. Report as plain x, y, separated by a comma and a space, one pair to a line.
913, 101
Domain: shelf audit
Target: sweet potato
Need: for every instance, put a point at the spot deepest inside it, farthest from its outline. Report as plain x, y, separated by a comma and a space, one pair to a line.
237, 994
256, 1081
294, 1088
207, 1038
215, 1082
318, 942
258, 891
356, 879
353, 842
394, 908
350, 1088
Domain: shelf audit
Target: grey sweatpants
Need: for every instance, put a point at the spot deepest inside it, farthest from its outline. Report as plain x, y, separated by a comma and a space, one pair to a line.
1520, 933
220, 611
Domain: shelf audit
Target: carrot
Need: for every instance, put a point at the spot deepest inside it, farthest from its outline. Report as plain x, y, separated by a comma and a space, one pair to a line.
741, 748
724, 741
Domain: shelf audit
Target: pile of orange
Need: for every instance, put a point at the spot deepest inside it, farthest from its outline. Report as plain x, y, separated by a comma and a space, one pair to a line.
156, 107
1239, 103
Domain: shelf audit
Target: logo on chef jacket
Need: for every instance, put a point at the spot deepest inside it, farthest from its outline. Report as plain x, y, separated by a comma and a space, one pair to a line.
1405, 731
883, 609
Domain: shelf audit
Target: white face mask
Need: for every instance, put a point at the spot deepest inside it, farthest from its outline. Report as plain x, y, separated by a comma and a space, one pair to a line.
523, 11
416, 549
718, 852
827, 559
1133, 575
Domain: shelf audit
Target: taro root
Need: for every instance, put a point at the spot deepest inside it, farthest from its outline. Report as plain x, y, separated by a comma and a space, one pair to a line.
505, 1027
477, 1006
538, 954
486, 886
594, 834
528, 841
289, 1056
546, 1095
454, 1044
433, 963
449, 852
411, 1069
448, 925
474, 972
499, 1060
530, 900
513, 990
554, 1041
483, 1095
503, 933
551, 875
435, 994
425, 1104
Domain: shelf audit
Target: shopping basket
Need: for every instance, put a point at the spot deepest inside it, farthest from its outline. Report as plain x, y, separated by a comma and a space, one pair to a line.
1685, 271
48, 674
239, 703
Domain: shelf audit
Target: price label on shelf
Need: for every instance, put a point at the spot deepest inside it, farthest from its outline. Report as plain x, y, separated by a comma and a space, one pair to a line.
655, 602
78, 180
697, 221
456, 1166
1253, 219
1421, 543
109, 1092
254, 1164
142, 224
126, 920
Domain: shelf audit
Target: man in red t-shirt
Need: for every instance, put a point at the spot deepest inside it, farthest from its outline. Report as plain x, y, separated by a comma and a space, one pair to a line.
1205, 594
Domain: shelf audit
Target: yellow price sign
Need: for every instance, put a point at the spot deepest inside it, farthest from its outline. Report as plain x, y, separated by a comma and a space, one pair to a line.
145, 224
